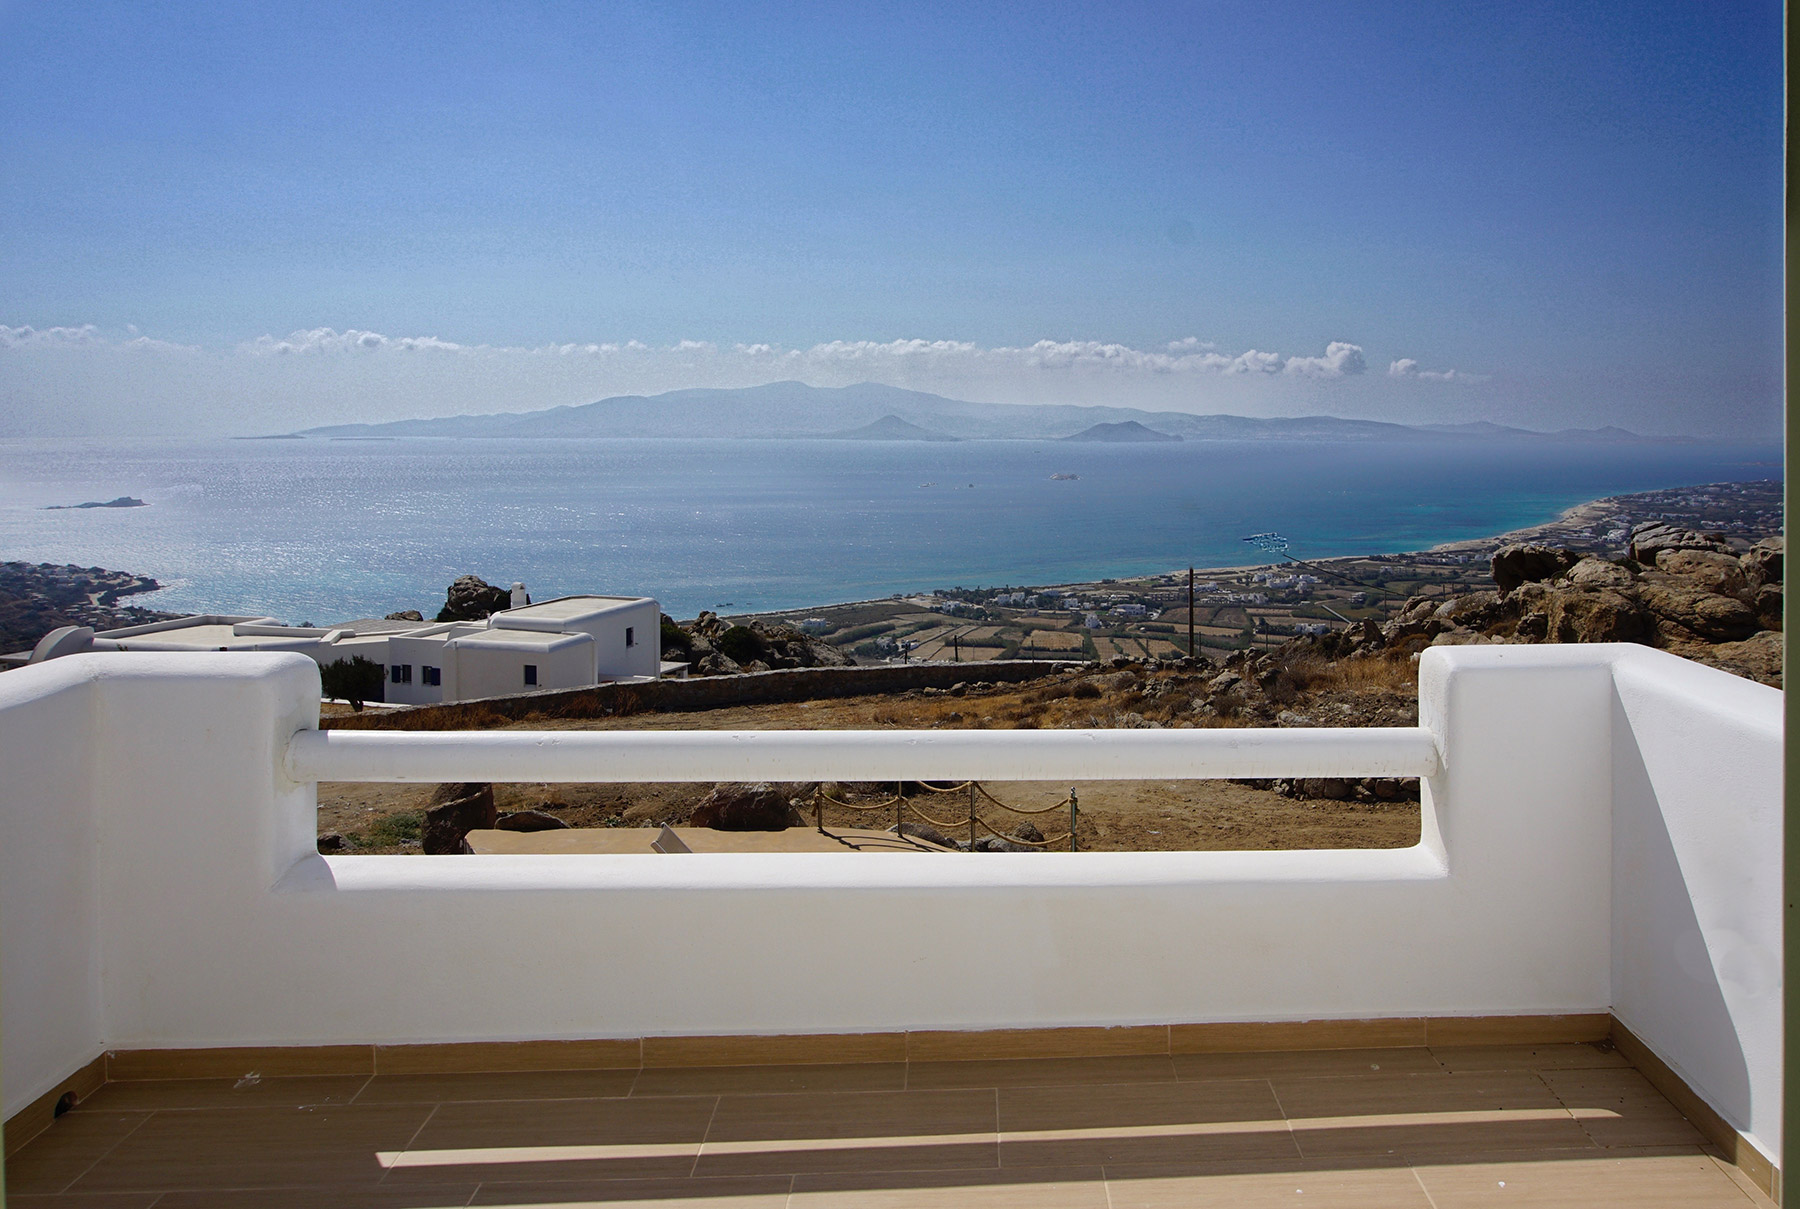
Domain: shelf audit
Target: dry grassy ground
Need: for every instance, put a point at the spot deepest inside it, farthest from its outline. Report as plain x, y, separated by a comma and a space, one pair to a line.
1134, 815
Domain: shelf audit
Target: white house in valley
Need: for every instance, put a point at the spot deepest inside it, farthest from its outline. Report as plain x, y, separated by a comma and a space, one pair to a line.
569, 642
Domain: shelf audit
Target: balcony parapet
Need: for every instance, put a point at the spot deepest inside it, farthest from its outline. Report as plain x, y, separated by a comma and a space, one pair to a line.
859, 755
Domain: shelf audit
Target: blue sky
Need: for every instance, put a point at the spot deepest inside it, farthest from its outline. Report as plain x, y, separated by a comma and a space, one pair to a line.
1546, 214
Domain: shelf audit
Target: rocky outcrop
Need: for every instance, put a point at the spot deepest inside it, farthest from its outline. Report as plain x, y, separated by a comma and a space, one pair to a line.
738, 807
405, 615
1518, 564
1651, 538
472, 598
1681, 591
36, 598
716, 647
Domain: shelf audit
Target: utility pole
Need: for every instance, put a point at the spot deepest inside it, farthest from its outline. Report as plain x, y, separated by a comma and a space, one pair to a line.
1191, 652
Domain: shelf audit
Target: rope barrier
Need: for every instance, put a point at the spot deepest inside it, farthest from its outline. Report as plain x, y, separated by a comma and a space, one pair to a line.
901, 805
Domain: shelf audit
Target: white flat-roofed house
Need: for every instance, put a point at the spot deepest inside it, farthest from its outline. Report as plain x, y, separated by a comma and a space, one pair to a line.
626, 630
213, 632
461, 661
569, 642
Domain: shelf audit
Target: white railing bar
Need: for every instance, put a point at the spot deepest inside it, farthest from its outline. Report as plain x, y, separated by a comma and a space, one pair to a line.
860, 755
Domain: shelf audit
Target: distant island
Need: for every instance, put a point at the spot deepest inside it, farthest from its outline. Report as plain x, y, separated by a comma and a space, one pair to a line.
1124, 432
891, 428
124, 501
873, 411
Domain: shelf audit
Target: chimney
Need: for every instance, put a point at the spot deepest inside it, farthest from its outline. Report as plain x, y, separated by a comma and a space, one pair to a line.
519, 596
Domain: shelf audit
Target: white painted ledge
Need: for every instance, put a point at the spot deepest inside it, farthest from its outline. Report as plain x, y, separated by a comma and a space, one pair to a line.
860, 755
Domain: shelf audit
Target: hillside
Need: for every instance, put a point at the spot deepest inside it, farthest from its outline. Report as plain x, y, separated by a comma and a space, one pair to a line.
1124, 433
793, 409
891, 428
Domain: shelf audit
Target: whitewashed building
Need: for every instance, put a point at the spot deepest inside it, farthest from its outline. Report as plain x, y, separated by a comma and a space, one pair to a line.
569, 642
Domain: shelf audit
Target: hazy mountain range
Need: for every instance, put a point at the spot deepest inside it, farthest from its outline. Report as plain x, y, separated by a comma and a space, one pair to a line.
871, 411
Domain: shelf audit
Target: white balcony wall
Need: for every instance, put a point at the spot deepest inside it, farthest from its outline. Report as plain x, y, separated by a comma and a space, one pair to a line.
50, 1001
1697, 881
180, 852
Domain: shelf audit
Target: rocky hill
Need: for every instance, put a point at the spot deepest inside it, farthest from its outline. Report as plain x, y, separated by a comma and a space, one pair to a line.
1694, 594
715, 648
36, 598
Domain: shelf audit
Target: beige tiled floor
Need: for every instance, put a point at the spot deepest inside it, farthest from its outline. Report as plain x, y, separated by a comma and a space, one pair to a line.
1435, 1128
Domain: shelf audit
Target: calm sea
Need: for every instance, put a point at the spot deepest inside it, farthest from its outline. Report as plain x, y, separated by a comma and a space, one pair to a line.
330, 530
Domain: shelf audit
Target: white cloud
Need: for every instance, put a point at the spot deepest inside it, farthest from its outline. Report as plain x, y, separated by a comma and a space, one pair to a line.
1406, 367
322, 340
83, 378
49, 337
1340, 360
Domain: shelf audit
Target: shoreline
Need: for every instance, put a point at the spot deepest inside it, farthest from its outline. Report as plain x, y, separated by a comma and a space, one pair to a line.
1574, 527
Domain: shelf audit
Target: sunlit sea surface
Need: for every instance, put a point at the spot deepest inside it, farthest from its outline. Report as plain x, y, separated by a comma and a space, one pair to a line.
332, 530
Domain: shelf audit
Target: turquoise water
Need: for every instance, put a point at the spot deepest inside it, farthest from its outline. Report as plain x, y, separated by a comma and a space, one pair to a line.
323, 531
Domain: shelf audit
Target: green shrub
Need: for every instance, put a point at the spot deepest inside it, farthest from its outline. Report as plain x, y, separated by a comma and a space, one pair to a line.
355, 680
395, 830
741, 643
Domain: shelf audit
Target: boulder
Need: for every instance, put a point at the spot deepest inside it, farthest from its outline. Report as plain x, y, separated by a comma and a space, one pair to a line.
1477, 610
1598, 573
1525, 563
332, 841
1712, 617
405, 615
1767, 603
472, 598
1708, 570
1758, 657
1224, 682
714, 664
530, 820
1028, 832
1653, 537
1761, 563
1596, 615
739, 807
926, 832
993, 843
456, 810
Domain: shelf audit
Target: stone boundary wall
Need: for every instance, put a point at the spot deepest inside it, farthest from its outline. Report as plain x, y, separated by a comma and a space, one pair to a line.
699, 693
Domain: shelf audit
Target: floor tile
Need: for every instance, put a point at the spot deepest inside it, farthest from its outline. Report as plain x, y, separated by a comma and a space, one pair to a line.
1024, 1188
1383, 1114
1600, 1181
96, 1200
256, 1147
1040, 1072
74, 1142
529, 1140
725, 1192
1527, 1057
755, 1080
1308, 1064
513, 1085
445, 1196
1620, 1108
297, 1091
851, 1131
1141, 1123
1255, 1185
